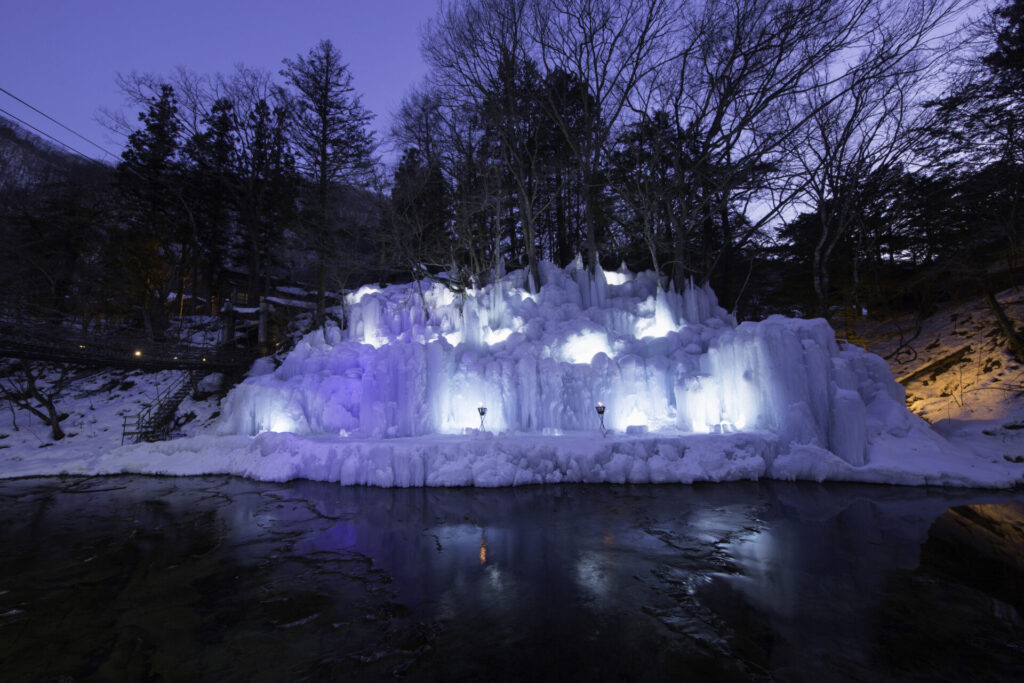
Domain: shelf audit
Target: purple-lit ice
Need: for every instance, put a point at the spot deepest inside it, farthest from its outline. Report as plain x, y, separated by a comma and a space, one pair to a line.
776, 398
394, 398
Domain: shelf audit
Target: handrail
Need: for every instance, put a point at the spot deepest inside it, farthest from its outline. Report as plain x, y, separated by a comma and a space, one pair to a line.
153, 421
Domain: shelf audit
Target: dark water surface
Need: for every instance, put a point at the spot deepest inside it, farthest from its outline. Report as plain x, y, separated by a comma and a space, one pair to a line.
218, 578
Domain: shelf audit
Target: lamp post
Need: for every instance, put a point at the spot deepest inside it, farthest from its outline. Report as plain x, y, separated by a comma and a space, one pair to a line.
482, 409
600, 413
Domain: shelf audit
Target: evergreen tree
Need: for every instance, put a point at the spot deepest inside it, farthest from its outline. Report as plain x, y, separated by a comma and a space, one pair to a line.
266, 189
333, 147
210, 155
979, 129
150, 250
421, 210
566, 102
513, 118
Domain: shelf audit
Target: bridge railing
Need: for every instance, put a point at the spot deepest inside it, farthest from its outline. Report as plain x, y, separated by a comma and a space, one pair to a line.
43, 339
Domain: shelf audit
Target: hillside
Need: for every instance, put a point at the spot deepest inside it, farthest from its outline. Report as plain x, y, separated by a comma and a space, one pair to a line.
958, 372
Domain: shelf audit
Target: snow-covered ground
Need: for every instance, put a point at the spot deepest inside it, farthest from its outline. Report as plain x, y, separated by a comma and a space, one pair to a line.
96, 402
959, 374
392, 400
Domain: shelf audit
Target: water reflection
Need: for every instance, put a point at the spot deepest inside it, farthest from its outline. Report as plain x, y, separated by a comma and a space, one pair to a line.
217, 577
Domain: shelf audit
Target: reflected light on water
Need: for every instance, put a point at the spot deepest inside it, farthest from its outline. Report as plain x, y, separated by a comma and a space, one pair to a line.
745, 581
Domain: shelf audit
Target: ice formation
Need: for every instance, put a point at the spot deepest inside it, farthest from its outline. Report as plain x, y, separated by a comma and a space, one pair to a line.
393, 399
419, 359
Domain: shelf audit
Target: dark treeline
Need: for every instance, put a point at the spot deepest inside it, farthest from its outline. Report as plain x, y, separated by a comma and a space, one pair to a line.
817, 155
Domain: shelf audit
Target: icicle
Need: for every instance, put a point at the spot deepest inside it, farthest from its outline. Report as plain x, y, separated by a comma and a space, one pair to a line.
600, 286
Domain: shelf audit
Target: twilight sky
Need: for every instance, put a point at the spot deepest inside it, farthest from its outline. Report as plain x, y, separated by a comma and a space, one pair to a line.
62, 56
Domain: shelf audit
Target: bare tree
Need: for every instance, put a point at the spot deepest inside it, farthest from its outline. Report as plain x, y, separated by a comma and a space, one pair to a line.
27, 389
866, 121
611, 47
480, 54
739, 68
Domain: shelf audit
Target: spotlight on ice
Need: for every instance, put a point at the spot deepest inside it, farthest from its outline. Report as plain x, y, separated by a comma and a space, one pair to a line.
583, 346
416, 359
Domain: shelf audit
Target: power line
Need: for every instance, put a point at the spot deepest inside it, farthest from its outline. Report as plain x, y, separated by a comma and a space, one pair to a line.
44, 133
42, 113
129, 168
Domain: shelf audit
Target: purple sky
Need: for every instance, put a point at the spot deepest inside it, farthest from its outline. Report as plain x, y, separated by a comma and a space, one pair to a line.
62, 55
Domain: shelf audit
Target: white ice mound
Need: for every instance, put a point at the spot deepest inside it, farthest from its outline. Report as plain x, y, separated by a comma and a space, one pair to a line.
418, 359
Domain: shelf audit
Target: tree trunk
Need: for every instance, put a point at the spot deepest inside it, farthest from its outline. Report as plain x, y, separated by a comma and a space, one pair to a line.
561, 222
591, 220
679, 272
819, 273
530, 239
253, 281
726, 296
52, 417
1013, 339
707, 246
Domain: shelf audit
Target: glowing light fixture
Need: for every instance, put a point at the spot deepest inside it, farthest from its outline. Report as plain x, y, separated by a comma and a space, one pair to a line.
482, 409
138, 353
600, 413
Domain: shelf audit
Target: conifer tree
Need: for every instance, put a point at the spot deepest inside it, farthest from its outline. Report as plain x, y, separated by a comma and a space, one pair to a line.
150, 250
333, 148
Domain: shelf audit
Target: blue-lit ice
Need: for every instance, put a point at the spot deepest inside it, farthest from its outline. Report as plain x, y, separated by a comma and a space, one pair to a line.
392, 398
418, 360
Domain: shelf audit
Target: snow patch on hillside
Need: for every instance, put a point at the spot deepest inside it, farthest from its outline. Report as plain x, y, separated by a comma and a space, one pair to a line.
960, 375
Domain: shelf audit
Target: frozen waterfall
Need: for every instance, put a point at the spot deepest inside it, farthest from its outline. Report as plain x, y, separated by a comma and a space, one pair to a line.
418, 360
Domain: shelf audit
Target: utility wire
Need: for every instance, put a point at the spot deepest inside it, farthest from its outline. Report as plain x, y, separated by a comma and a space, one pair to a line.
42, 113
44, 133
133, 171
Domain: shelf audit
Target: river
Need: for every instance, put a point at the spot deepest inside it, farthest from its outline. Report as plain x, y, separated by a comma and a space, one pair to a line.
221, 578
